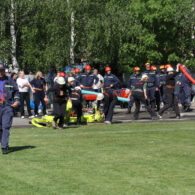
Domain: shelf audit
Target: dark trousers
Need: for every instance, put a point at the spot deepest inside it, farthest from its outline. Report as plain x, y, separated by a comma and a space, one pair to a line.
25, 96
171, 100
77, 107
157, 96
39, 97
139, 98
108, 109
6, 115
59, 110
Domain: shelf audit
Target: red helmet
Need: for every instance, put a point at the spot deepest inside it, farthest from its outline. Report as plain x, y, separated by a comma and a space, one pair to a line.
136, 68
107, 69
162, 67
87, 67
62, 74
147, 63
153, 68
77, 70
168, 65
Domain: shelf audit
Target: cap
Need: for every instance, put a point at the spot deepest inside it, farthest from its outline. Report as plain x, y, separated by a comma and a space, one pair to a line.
144, 76
62, 74
77, 88
77, 70
170, 69
87, 67
70, 79
60, 80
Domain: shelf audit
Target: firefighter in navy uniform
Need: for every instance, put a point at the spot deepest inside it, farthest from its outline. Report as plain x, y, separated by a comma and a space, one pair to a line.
134, 78
86, 80
111, 82
171, 98
157, 92
162, 81
139, 93
152, 85
77, 76
76, 98
9, 99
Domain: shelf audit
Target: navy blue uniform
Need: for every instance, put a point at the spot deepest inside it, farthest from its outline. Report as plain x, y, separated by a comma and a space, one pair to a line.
185, 91
39, 95
87, 80
76, 77
153, 83
8, 95
162, 82
111, 80
133, 79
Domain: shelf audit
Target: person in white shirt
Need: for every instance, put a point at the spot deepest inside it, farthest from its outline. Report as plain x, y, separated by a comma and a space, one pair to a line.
99, 84
23, 86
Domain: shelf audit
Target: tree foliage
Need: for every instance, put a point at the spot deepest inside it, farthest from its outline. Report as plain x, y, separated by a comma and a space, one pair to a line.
118, 33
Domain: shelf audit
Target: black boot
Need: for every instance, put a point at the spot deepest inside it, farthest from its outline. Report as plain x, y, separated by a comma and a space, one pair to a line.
129, 110
4, 151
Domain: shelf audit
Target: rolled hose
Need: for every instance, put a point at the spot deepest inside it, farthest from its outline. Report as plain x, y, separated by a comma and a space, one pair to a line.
183, 70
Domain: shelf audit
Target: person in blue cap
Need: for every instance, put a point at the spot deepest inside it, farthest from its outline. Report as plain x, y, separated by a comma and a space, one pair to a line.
9, 99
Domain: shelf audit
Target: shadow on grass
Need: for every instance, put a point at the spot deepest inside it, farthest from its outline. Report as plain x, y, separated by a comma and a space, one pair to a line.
18, 148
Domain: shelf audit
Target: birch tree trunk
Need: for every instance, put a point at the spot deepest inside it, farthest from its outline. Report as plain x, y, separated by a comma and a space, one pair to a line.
72, 34
13, 36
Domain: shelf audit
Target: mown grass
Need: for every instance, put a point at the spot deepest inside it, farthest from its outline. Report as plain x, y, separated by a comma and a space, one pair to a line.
150, 158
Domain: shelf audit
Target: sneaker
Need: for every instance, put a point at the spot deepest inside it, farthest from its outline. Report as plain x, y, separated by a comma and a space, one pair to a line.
4, 151
54, 125
36, 115
30, 117
22, 117
107, 122
65, 125
178, 117
159, 116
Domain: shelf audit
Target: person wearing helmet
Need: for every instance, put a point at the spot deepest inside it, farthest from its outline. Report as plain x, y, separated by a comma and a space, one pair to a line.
133, 79
61, 95
152, 85
162, 81
111, 82
170, 98
157, 92
76, 98
139, 93
71, 82
185, 91
77, 76
87, 79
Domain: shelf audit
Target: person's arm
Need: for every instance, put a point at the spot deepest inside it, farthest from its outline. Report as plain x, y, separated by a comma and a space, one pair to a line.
15, 95
96, 79
145, 91
116, 81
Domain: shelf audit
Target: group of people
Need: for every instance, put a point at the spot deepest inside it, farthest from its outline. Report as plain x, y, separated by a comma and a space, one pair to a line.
150, 88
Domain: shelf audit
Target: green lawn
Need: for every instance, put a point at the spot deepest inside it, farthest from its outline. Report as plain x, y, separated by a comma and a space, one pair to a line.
136, 158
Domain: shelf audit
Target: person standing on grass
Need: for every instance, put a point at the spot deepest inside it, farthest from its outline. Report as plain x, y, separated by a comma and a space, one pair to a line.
139, 93
9, 99
61, 96
171, 99
23, 86
39, 85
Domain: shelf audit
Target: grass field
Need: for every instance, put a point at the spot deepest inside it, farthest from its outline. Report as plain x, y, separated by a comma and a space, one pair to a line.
136, 158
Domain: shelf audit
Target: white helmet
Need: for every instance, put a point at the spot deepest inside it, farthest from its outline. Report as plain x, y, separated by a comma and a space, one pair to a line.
144, 76
60, 81
170, 69
77, 88
100, 96
70, 79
